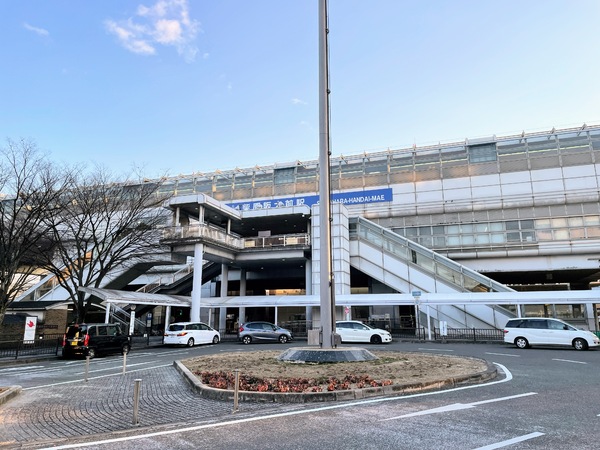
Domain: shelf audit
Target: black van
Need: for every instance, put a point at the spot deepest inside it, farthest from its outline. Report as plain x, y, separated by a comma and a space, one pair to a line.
93, 339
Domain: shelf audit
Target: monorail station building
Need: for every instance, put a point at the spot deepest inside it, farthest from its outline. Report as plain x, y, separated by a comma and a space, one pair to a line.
470, 233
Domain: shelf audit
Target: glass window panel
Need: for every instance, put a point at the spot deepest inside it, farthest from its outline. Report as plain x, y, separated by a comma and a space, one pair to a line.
452, 229
439, 230
453, 241
593, 232
411, 232
466, 228
482, 239
439, 241
575, 221
426, 241
561, 235
513, 237
542, 224
512, 225
424, 231
591, 220
481, 227
496, 226
527, 224
284, 175
577, 233
467, 239
544, 235
498, 238
482, 153
559, 223
528, 236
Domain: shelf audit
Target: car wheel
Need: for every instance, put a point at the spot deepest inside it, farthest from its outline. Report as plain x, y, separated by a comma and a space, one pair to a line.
190, 342
216, 339
375, 339
521, 342
246, 339
125, 349
580, 344
283, 338
91, 353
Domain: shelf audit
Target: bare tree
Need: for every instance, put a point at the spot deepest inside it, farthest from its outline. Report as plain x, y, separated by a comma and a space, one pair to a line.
29, 190
103, 228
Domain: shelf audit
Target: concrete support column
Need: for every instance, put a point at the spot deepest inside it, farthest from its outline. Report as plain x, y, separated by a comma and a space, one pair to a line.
107, 314
309, 290
177, 215
167, 317
223, 309
197, 283
242, 312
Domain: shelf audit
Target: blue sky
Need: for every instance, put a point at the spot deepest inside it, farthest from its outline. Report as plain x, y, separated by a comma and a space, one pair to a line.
176, 86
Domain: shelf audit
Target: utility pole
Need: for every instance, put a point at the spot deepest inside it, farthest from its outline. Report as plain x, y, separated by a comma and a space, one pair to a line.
326, 290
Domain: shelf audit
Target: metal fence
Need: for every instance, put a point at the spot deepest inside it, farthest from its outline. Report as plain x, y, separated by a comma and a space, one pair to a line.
470, 334
48, 344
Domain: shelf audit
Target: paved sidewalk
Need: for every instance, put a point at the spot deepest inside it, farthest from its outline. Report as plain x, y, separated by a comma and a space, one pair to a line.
51, 414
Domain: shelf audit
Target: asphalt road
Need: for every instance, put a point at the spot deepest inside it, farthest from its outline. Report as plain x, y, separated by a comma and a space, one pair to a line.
547, 398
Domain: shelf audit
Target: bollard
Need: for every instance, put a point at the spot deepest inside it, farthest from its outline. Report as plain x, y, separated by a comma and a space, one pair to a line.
136, 400
87, 367
236, 391
124, 363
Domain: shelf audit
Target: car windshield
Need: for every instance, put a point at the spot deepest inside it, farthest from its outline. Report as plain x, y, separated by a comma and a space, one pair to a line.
176, 327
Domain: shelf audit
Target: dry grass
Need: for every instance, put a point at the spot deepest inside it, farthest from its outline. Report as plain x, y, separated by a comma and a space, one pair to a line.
394, 367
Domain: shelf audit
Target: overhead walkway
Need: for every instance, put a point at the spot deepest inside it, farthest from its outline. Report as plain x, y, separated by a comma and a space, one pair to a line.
407, 266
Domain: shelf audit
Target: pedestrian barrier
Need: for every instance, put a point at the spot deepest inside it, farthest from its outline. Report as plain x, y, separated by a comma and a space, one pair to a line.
43, 345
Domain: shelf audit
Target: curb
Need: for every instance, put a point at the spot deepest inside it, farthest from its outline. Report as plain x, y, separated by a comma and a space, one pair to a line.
11, 392
354, 394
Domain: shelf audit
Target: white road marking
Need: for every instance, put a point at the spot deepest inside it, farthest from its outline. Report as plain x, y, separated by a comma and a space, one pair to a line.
435, 350
457, 407
20, 368
568, 360
503, 354
95, 378
511, 441
275, 416
115, 368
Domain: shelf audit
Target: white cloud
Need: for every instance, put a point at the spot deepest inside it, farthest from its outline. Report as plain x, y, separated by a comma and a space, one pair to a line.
297, 101
38, 31
166, 23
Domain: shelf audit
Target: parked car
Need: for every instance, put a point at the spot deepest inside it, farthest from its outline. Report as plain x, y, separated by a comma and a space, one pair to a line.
93, 339
263, 332
190, 334
355, 331
525, 332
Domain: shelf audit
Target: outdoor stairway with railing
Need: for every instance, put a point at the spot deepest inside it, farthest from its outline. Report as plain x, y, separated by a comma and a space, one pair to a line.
406, 266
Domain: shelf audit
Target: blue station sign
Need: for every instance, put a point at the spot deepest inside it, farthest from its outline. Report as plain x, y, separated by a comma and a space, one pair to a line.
346, 198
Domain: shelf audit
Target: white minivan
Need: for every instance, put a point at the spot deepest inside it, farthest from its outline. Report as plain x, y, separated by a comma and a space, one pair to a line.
190, 334
525, 332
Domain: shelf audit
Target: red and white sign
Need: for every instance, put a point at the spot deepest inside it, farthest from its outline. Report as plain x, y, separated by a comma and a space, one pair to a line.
30, 325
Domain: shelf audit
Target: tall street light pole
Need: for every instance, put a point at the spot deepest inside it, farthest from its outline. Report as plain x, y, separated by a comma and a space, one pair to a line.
326, 287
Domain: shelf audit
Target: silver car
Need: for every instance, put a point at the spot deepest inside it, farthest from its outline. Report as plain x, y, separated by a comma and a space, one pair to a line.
263, 332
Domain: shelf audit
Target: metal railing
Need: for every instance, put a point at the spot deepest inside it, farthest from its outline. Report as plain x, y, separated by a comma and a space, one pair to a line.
46, 345
220, 236
469, 334
427, 260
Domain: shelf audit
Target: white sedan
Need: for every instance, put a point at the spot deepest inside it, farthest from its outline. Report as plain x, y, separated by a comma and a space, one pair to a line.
190, 334
355, 331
